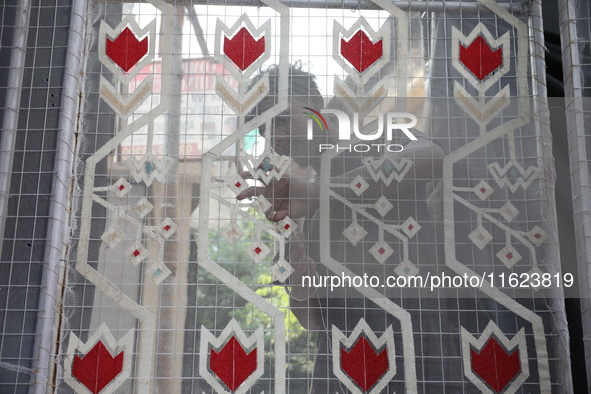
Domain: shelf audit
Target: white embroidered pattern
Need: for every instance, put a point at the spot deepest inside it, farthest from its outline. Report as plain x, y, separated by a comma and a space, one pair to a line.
509, 175
241, 101
145, 170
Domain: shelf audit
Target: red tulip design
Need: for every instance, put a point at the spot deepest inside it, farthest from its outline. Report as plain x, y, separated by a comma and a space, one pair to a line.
495, 365
360, 51
126, 50
243, 49
363, 364
232, 364
480, 59
97, 368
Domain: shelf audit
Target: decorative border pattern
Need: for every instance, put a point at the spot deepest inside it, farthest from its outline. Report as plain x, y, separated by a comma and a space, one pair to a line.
241, 102
362, 103
500, 368
147, 169
369, 358
350, 47
508, 211
482, 39
210, 345
74, 376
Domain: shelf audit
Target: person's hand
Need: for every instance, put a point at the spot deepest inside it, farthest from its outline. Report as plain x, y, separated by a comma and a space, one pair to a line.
292, 195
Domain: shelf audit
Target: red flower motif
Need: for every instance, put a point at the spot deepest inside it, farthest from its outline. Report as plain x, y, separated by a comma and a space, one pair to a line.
360, 51
126, 50
98, 368
232, 364
243, 49
480, 59
494, 365
363, 364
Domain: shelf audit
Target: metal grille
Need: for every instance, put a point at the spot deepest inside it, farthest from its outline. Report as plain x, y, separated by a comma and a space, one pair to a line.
34, 44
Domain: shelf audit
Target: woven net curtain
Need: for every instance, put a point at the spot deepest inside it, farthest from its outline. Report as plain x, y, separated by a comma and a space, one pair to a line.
314, 198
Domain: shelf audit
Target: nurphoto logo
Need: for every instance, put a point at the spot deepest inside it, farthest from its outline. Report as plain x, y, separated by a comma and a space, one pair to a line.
391, 120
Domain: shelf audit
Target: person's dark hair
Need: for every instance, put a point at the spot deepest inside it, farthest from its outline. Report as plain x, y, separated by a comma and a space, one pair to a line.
300, 83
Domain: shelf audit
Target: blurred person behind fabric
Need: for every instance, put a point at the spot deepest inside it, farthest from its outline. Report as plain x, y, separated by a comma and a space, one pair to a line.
294, 195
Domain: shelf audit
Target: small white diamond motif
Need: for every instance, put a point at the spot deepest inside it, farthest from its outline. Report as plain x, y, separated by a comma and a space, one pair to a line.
142, 207
112, 236
483, 190
261, 204
121, 187
167, 228
383, 206
238, 185
358, 185
157, 272
258, 251
281, 270
410, 227
406, 268
381, 251
232, 233
508, 211
286, 226
537, 236
480, 237
509, 256
136, 253
354, 233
